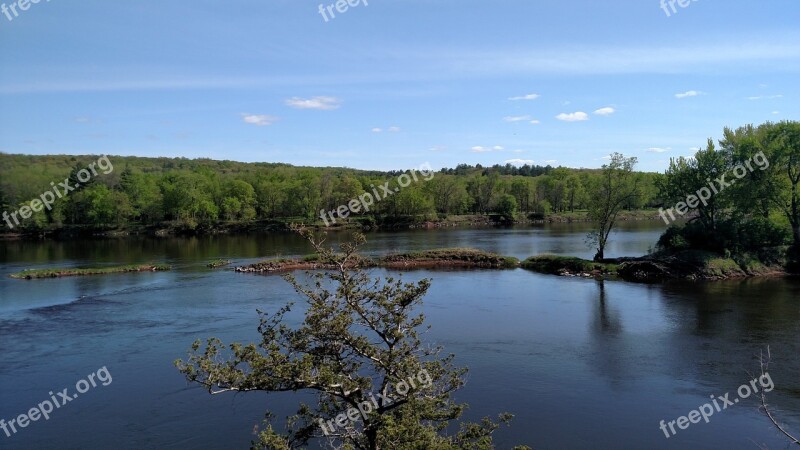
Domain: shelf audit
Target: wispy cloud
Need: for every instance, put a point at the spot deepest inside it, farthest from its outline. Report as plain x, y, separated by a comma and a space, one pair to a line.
260, 120
482, 149
392, 129
745, 53
520, 162
658, 149
688, 94
573, 117
525, 97
765, 97
516, 118
321, 103
607, 111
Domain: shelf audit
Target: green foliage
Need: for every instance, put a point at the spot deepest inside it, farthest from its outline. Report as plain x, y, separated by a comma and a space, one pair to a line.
200, 194
507, 206
360, 336
731, 236
609, 194
217, 263
32, 274
760, 209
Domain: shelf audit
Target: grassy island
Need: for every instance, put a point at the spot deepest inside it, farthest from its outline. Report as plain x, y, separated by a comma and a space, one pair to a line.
32, 274
437, 258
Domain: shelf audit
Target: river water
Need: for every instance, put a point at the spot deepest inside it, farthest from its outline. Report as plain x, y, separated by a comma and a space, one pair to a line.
581, 364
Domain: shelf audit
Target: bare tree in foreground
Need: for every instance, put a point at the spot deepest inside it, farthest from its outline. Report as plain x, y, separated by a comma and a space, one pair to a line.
764, 362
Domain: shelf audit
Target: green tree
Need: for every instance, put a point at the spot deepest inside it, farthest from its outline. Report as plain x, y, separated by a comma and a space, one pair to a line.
608, 194
690, 177
270, 196
4, 205
574, 191
357, 340
448, 194
239, 202
507, 207
773, 151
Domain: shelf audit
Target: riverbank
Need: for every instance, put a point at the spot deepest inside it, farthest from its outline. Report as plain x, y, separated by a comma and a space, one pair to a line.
662, 266
366, 223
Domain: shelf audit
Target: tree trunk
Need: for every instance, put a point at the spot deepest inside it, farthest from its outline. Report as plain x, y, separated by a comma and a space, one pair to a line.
796, 235
599, 255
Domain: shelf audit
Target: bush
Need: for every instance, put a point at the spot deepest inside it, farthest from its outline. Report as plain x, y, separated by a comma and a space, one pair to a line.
730, 237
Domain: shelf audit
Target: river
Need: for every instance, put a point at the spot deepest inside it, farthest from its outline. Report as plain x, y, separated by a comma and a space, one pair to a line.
581, 364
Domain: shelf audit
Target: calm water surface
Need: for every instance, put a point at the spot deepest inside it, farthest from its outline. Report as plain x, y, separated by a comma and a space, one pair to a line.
581, 364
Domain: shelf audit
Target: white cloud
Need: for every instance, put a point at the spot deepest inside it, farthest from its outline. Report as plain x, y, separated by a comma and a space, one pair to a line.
393, 129
438, 148
525, 97
775, 113
260, 120
377, 130
689, 94
516, 118
607, 111
320, 103
482, 149
765, 97
535, 122
551, 161
694, 149
520, 162
573, 117
658, 149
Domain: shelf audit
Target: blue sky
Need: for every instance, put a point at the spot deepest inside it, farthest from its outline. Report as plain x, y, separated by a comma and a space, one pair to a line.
394, 83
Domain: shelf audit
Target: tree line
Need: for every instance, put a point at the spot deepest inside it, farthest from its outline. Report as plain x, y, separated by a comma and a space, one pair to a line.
202, 193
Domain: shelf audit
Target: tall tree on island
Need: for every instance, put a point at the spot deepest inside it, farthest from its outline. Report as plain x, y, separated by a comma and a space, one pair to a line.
608, 195
376, 384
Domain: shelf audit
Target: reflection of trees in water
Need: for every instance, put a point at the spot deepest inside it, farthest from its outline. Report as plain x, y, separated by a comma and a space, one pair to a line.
711, 335
609, 353
719, 329
607, 322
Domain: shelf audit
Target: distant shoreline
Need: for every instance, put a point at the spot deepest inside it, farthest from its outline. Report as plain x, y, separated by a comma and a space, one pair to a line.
463, 221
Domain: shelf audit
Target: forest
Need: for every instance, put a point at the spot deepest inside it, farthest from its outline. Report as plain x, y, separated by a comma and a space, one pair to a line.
202, 194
